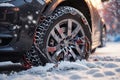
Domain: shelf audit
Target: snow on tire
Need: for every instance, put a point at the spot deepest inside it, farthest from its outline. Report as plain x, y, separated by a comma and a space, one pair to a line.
33, 58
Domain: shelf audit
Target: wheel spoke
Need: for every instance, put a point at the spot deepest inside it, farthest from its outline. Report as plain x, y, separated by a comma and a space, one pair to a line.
72, 53
60, 31
78, 48
65, 55
76, 31
55, 36
69, 27
58, 54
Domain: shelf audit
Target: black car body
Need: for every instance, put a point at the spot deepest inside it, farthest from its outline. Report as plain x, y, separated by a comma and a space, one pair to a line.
19, 19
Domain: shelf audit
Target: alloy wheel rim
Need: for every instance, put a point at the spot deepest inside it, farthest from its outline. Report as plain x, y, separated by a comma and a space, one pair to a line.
66, 41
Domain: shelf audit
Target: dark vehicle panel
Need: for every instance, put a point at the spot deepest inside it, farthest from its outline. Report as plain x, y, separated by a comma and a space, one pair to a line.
13, 25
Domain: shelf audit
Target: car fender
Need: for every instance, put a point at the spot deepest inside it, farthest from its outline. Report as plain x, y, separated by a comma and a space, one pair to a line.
51, 6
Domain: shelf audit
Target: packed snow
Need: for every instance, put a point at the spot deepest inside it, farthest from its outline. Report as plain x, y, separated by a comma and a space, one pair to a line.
104, 64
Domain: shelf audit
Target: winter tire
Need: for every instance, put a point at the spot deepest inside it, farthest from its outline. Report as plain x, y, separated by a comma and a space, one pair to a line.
64, 35
33, 58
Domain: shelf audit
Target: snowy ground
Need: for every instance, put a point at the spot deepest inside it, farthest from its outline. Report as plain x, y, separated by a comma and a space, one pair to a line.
104, 64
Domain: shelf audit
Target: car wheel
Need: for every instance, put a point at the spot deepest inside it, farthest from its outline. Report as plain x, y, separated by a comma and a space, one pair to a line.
65, 35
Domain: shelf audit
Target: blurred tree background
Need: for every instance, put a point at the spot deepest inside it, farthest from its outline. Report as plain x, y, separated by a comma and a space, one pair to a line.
110, 12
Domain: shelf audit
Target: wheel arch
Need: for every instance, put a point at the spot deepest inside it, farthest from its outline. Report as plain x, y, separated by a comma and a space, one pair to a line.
82, 6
